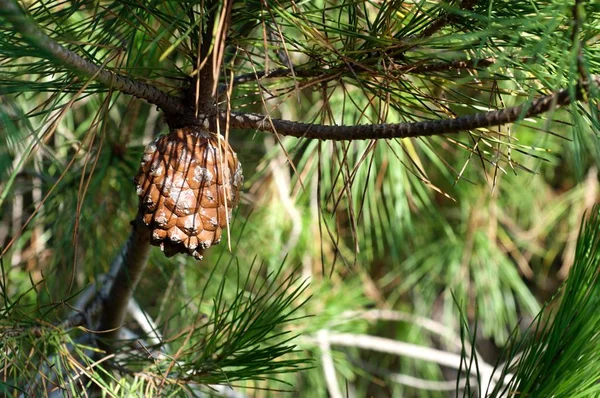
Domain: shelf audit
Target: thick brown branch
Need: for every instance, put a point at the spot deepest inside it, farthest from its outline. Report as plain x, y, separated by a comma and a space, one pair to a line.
403, 130
134, 259
10, 10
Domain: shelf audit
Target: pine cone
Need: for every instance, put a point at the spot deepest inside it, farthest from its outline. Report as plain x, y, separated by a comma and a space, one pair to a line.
188, 184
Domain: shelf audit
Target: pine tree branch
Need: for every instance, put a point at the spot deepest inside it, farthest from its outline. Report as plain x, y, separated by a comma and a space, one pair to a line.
10, 10
404, 130
173, 105
133, 261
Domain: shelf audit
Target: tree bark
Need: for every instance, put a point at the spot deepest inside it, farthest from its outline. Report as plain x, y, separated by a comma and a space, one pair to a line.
134, 257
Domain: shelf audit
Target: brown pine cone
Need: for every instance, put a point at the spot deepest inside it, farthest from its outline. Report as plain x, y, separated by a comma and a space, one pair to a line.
188, 183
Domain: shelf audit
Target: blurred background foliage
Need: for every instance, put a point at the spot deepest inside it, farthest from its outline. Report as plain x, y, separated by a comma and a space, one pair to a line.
487, 218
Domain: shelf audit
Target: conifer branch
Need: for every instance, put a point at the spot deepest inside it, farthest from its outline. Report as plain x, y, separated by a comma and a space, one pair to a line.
405, 130
10, 10
133, 261
174, 106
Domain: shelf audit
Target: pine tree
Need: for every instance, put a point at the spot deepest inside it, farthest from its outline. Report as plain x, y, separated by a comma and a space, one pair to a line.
385, 148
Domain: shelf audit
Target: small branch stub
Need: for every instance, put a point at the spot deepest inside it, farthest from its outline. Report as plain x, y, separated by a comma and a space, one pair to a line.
188, 184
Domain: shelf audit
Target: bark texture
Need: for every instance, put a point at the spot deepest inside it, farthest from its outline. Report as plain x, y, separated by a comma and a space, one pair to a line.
134, 258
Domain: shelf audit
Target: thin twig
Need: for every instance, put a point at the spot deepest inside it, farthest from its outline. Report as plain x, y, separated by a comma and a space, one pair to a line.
398, 316
276, 73
442, 66
389, 346
413, 68
145, 322
328, 367
415, 382
445, 19
423, 384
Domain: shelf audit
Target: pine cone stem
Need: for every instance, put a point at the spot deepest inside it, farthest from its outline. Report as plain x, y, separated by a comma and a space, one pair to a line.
135, 257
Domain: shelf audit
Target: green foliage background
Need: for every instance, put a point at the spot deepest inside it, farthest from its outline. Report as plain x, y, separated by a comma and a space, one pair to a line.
487, 219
